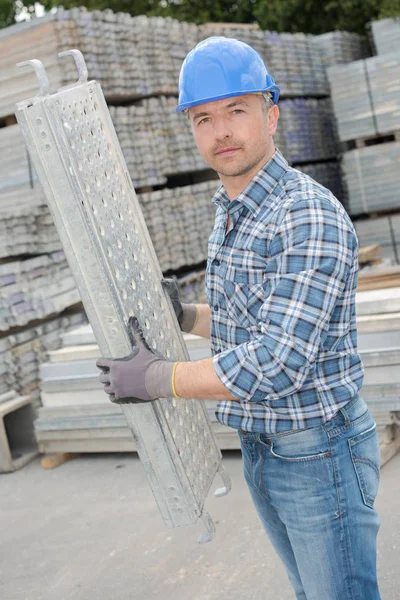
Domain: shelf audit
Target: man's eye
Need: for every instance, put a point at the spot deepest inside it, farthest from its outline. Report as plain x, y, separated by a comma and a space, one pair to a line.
237, 111
205, 120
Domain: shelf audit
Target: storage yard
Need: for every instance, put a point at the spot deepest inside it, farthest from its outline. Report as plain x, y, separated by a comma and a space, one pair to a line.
339, 123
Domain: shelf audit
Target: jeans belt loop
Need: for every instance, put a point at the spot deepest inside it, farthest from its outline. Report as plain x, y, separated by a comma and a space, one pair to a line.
345, 416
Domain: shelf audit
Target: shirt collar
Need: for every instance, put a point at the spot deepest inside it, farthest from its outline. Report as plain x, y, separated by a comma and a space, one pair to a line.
262, 184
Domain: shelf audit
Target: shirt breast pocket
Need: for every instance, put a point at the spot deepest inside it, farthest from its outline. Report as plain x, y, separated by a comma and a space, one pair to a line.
244, 293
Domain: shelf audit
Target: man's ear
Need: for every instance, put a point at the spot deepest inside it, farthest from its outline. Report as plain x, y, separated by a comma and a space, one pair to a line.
273, 116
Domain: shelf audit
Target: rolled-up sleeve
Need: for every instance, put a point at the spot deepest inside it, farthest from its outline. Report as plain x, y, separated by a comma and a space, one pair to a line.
310, 258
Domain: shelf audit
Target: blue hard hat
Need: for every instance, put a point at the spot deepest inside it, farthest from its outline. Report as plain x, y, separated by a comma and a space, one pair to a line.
221, 67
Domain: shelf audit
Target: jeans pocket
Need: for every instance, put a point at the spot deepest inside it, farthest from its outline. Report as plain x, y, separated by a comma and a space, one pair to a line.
365, 454
301, 446
301, 458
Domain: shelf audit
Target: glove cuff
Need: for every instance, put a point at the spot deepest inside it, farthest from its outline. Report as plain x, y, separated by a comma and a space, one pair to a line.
189, 318
158, 380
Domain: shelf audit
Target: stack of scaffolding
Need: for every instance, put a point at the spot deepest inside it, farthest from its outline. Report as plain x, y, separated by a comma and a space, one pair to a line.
296, 64
372, 177
386, 34
306, 131
338, 47
77, 416
329, 174
76, 413
365, 96
137, 62
179, 221
22, 351
15, 167
129, 56
34, 289
27, 230
249, 33
366, 102
157, 142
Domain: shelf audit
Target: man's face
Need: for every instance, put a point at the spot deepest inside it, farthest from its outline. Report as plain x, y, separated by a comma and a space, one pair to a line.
234, 135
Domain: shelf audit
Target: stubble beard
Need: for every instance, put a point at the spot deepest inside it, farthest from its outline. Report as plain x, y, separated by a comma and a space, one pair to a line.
238, 169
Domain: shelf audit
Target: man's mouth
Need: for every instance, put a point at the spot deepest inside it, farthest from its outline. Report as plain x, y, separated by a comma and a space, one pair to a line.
227, 151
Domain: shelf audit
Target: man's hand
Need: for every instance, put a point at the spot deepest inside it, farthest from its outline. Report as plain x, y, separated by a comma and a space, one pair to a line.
140, 377
185, 313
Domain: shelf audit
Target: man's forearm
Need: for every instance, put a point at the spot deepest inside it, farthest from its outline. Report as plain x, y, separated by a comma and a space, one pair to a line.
203, 323
198, 379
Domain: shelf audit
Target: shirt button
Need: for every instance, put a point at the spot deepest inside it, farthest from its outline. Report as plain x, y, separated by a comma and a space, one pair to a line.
217, 262
216, 307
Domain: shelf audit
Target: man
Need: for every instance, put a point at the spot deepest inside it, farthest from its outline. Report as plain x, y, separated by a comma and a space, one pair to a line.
281, 281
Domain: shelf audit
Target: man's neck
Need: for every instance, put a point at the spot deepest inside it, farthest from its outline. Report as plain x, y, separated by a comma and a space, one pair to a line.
234, 185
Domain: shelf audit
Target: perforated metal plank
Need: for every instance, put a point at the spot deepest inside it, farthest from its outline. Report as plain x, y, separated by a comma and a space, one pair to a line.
80, 165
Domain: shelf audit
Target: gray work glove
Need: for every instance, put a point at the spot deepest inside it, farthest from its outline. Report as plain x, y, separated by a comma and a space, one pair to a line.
185, 313
140, 377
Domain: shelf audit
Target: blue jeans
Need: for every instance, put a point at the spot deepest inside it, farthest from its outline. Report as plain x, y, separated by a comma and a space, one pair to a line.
314, 490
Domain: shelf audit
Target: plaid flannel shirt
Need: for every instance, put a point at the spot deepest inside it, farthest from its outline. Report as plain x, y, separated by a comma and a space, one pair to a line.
281, 285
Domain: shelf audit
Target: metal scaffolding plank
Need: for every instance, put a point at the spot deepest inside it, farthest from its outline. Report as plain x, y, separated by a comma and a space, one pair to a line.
76, 154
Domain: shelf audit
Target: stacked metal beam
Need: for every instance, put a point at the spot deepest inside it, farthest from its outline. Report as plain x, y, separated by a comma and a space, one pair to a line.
386, 35
366, 102
15, 167
351, 100
383, 74
295, 64
338, 47
77, 416
30, 230
307, 130
22, 352
179, 221
155, 140
37, 38
250, 34
133, 57
192, 287
372, 177
35, 289
366, 96
129, 56
329, 175
25, 223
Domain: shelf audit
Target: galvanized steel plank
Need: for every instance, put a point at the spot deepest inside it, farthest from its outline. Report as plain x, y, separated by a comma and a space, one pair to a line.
79, 162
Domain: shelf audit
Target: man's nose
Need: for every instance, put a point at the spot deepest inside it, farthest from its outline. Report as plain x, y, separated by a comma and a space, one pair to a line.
221, 129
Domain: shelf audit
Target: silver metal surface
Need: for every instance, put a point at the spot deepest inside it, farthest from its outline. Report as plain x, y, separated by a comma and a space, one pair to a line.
75, 151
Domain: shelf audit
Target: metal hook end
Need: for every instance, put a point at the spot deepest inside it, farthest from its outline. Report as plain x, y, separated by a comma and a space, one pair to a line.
80, 63
223, 491
209, 523
40, 73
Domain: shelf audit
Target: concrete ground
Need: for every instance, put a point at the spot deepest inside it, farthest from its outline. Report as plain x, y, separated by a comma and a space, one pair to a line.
90, 530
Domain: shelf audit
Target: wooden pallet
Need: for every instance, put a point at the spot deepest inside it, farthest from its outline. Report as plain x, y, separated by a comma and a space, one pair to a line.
51, 461
369, 254
378, 278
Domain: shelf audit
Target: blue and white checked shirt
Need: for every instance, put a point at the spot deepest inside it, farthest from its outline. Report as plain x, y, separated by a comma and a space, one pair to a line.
281, 286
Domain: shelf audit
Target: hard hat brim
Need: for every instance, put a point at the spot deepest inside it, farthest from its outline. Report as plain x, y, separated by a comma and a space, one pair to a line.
273, 90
